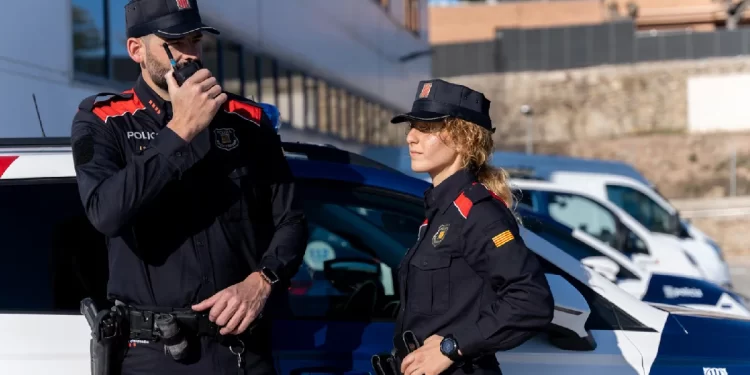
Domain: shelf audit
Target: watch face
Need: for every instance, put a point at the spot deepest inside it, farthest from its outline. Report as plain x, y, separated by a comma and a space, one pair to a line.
270, 275
447, 346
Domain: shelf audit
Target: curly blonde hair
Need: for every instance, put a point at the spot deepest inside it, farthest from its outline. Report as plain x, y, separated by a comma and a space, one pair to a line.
475, 145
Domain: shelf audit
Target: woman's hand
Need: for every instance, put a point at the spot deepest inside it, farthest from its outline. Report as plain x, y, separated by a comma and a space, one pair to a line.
427, 360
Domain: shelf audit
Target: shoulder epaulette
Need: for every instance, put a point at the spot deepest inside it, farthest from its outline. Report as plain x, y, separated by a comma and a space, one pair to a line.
244, 107
113, 106
88, 103
473, 194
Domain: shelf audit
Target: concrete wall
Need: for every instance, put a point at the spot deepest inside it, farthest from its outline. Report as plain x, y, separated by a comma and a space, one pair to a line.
613, 101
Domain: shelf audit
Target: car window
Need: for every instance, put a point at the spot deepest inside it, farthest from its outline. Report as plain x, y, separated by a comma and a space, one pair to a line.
565, 241
358, 236
52, 256
526, 198
582, 213
641, 207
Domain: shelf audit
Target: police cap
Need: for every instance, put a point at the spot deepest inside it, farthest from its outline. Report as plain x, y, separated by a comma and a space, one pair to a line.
437, 99
169, 19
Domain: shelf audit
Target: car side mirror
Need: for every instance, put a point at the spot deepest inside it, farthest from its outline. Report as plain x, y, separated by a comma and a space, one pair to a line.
346, 274
603, 266
568, 328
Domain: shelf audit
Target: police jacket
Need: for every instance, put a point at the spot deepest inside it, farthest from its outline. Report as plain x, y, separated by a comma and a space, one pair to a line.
470, 274
185, 220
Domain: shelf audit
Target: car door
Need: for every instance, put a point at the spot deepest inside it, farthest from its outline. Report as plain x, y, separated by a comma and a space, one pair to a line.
343, 300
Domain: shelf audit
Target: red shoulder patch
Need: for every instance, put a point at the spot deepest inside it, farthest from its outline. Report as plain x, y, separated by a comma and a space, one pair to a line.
248, 111
115, 106
464, 205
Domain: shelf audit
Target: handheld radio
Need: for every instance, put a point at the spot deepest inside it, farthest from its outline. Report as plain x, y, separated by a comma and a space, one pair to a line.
183, 73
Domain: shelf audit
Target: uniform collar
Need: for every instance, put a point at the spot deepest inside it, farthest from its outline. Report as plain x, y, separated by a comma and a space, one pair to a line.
158, 108
442, 196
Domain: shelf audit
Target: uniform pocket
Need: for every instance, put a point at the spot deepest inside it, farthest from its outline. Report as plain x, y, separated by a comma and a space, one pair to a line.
429, 284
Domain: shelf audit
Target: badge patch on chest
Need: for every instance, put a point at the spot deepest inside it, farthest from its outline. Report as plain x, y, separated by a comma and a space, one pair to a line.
440, 234
226, 139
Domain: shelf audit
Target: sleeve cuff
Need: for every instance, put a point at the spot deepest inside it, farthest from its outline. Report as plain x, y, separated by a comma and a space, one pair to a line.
469, 340
169, 144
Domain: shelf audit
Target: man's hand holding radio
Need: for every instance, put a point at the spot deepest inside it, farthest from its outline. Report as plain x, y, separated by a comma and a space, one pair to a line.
195, 103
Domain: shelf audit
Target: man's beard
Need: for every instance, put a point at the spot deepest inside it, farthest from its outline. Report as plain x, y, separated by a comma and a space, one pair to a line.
157, 71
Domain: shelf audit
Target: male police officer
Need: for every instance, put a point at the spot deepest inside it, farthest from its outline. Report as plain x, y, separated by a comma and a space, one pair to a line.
191, 187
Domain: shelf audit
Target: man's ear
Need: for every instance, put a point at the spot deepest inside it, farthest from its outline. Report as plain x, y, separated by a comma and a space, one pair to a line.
137, 48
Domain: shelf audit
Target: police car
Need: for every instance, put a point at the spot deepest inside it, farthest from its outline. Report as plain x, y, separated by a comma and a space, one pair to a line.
53, 258
650, 251
654, 212
616, 267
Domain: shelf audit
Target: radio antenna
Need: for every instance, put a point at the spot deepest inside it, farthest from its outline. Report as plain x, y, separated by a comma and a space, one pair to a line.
38, 116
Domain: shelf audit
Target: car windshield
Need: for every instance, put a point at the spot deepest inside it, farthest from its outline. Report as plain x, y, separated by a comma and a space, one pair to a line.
563, 239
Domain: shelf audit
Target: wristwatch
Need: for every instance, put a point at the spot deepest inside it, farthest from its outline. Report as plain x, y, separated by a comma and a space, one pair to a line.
269, 275
449, 348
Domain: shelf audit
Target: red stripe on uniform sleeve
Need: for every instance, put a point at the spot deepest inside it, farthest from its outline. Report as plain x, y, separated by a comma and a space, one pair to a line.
5, 162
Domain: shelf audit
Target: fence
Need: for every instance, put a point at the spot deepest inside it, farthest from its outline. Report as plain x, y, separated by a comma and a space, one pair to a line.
554, 48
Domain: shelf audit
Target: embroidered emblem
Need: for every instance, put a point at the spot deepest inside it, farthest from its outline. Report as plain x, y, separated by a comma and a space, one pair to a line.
440, 234
425, 90
502, 238
226, 139
183, 4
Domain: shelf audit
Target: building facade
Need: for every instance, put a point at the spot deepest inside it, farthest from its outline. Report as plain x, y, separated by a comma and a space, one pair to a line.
337, 67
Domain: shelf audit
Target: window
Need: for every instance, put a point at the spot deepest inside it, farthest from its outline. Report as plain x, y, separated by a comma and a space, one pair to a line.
362, 234
642, 208
412, 16
123, 68
297, 99
231, 60
582, 213
564, 240
252, 76
210, 54
89, 51
55, 256
525, 198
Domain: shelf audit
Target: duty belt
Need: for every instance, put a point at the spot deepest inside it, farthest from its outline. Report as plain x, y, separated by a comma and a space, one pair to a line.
142, 323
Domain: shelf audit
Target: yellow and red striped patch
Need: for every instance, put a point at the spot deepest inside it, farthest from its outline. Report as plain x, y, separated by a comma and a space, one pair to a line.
502, 238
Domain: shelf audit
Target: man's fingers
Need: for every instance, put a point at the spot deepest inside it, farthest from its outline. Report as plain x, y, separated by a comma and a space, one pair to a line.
218, 307
406, 362
237, 318
207, 302
228, 312
199, 76
171, 82
213, 92
208, 84
249, 318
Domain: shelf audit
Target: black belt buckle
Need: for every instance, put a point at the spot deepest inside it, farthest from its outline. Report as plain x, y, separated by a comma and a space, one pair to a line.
141, 325
206, 327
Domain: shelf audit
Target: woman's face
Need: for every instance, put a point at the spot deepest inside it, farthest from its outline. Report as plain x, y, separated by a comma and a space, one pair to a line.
430, 149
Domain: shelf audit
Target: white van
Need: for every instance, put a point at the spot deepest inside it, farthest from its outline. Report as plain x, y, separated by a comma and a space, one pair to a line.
654, 212
652, 252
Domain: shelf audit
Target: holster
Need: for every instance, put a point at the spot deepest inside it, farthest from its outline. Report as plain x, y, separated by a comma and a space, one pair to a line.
390, 364
109, 338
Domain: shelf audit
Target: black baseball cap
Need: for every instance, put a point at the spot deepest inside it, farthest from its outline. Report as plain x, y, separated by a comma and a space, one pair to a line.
437, 99
169, 19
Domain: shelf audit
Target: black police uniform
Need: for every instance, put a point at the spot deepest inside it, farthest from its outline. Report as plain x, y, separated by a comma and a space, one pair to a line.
469, 274
186, 220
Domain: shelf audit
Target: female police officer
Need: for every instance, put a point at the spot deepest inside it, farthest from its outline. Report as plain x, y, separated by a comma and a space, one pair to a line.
470, 287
